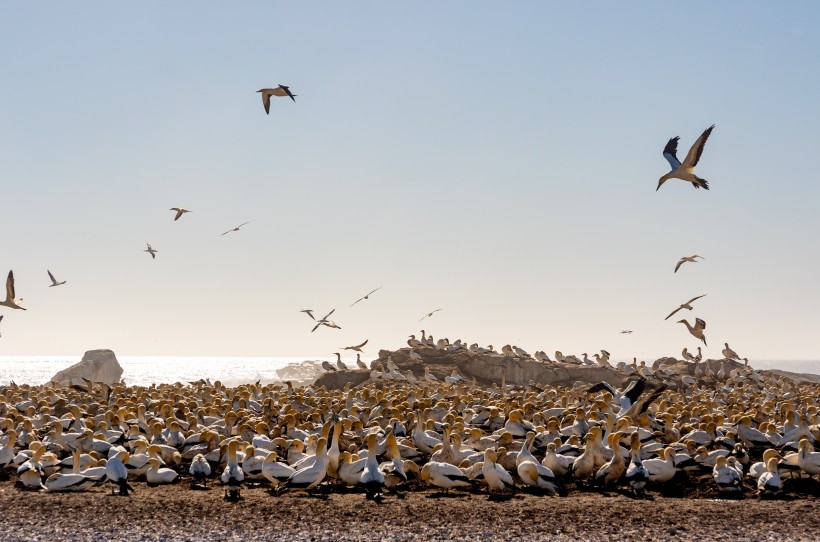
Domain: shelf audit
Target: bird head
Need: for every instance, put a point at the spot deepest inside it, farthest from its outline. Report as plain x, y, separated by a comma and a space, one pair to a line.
661, 181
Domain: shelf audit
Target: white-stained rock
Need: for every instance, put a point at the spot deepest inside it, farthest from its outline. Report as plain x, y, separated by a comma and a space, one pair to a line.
96, 365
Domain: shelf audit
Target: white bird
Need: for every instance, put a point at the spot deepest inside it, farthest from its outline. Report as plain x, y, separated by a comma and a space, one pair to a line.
692, 259
636, 473
686, 305
339, 364
117, 472
661, 469
495, 475
158, 475
366, 296
151, 251
429, 314
769, 482
233, 475
311, 476
30, 473
180, 211
200, 469
728, 353
275, 471
685, 171
372, 477
726, 478
444, 475
236, 228
10, 301
53, 280
281, 90
808, 460
359, 363
697, 330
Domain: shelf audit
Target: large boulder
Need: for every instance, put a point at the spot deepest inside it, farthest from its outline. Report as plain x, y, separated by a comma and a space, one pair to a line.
96, 365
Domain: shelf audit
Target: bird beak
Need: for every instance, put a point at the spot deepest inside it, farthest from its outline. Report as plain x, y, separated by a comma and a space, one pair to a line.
659, 185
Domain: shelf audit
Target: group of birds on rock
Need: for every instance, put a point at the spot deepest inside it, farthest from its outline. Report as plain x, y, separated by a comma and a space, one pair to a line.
388, 436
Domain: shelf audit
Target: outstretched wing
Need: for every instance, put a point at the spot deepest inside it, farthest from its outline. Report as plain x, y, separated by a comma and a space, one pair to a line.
680, 263
700, 324
601, 386
695, 298
670, 153
673, 312
635, 389
51, 276
693, 156
10, 286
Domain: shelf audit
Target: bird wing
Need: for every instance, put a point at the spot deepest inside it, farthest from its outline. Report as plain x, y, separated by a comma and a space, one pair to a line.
364, 343
700, 324
635, 389
309, 313
328, 314
600, 387
179, 212
356, 302
695, 298
248, 222
315, 327
605, 352
374, 291
287, 91
266, 102
227, 232
673, 312
51, 276
680, 263
670, 153
693, 156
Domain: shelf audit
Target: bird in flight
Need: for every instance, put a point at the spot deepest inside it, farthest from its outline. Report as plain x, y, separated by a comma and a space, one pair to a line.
281, 90
180, 211
685, 259
53, 280
429, 314
236, 228
309, 312
366, 296
686, 305
697, 330
626, 332
686, 170
325, 322
357, 348
10, 301
151, 251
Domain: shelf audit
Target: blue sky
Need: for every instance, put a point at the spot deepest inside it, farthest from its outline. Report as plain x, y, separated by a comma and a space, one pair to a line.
497, 161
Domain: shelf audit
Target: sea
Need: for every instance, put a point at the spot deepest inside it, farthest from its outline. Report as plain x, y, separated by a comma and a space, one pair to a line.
232, 371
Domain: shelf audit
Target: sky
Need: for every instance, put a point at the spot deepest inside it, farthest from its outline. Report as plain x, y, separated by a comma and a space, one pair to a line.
497, 161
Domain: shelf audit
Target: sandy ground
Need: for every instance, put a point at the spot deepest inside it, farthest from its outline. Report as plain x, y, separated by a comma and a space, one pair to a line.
177, 512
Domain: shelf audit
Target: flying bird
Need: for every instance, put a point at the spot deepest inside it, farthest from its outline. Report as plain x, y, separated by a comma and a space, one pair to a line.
151, 251
53, 280
686, 170
281, 90
626, 332
366, 296
10, 301
693, 259
236, 228
429, 314
309, 312
687, 305
357, 348
697, 330
180, 211
325, 322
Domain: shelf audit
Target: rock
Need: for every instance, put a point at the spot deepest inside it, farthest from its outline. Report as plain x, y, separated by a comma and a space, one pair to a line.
96, 365
304, 373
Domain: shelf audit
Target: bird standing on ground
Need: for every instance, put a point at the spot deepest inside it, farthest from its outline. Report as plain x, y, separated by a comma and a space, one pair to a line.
685, 171
366, 296
728, 353
180, 211
281, 90
53, 280
697, 330
692, 259
151, 251
339, 363
236, 228
687, 305
10, 301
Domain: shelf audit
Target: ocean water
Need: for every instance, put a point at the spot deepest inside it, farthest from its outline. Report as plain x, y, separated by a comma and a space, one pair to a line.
231, 371
143, 371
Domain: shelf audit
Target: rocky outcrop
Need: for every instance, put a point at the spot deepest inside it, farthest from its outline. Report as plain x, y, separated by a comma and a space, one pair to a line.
96, 365
487, 369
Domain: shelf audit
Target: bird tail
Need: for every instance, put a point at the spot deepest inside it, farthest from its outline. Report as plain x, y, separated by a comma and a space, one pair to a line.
701, 182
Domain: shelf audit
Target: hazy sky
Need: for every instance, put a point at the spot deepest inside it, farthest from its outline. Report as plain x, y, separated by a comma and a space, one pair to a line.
496, 160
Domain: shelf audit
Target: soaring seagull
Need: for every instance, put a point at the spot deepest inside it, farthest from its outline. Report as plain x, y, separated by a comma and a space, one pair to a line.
686, 170
281, 90
10, 302
236, 228
691, 259
429, 314
53, 280
180, 211
366, 296
151, 251
697, 329
686, 305
357, 348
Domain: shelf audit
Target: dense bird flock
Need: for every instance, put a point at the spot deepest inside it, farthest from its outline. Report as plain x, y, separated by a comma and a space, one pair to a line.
752, 432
